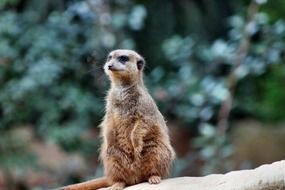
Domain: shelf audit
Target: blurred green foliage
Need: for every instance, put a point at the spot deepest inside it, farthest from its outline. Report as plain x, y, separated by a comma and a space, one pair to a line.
52, 52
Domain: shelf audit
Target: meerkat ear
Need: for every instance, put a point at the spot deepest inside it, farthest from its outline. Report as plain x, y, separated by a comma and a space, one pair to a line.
140, 63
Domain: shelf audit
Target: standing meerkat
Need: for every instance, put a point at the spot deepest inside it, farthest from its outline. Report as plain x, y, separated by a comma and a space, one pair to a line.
136, 145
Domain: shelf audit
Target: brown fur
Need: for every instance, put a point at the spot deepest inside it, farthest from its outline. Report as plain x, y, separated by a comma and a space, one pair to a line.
136, 145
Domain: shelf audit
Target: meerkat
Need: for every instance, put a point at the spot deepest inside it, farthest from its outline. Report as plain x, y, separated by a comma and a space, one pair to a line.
136, 145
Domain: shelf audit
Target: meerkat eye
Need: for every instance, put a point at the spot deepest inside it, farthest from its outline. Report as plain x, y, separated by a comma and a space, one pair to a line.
109, 57
123, 58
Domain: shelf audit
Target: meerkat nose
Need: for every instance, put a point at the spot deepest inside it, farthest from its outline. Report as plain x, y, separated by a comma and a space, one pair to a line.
110, 67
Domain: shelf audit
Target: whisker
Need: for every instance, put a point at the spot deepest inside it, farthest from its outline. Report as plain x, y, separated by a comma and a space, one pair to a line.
94, 68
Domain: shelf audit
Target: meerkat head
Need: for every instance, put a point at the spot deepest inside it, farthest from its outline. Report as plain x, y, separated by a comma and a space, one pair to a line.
124, 66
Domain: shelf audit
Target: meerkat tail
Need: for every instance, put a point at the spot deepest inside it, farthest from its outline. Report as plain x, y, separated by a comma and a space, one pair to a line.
88, 185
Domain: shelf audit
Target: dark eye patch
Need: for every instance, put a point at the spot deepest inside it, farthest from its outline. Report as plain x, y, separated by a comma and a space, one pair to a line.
123, 58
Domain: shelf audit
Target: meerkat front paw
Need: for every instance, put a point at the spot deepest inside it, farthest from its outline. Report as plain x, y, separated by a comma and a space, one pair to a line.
118, 186
154, 179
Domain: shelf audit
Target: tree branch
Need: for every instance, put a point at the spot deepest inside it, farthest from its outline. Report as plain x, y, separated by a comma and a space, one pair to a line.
232, 80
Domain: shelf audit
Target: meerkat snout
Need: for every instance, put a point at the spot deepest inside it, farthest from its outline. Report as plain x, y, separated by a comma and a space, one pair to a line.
110, 67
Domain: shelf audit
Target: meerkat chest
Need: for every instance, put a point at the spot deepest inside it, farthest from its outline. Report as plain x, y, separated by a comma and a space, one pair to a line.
125, 104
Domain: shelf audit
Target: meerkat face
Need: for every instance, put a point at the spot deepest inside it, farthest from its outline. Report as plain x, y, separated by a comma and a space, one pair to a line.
123, 63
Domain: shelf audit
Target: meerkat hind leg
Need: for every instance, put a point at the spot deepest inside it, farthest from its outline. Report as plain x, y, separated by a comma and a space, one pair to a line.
154, 179
118, 186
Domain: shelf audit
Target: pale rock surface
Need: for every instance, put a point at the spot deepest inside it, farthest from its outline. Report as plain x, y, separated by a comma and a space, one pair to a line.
265, 177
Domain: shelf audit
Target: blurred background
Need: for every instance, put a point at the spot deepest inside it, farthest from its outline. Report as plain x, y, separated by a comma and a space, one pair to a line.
215, 68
